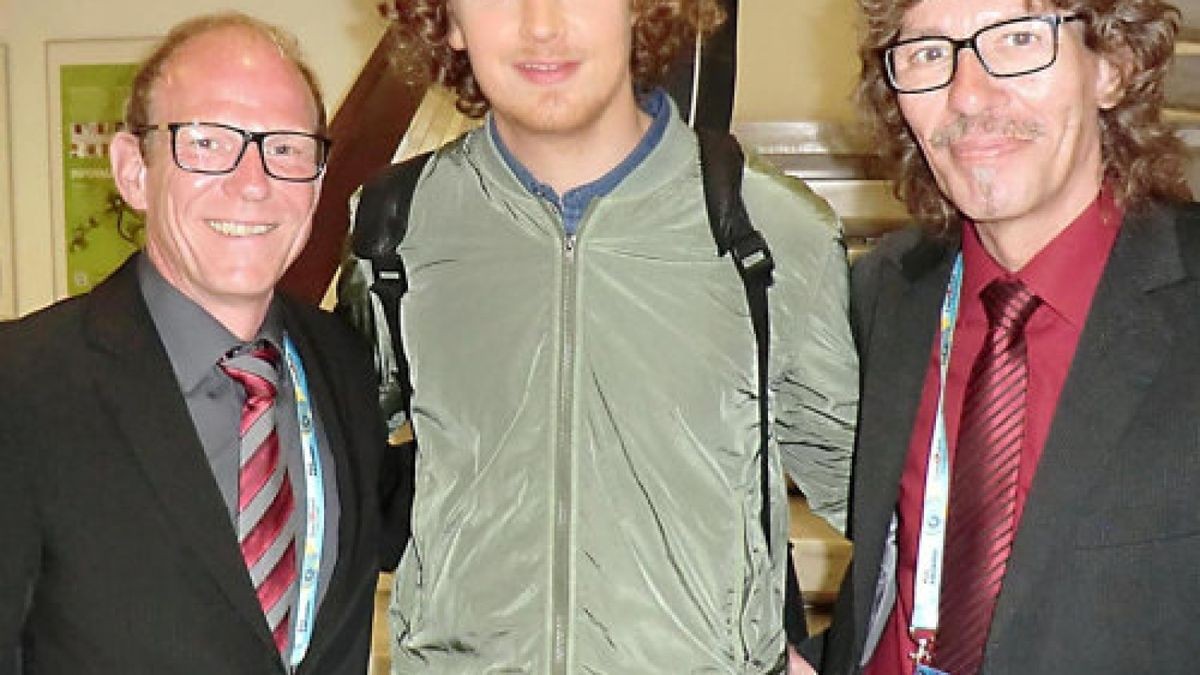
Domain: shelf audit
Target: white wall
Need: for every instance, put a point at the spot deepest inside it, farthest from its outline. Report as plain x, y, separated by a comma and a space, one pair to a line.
796, 62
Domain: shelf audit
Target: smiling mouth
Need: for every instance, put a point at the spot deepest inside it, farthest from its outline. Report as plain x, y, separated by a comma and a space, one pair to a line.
547, 72
984, 147
233, 228
542, 67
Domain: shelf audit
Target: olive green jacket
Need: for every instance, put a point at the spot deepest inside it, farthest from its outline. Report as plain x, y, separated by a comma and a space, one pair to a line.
587, 486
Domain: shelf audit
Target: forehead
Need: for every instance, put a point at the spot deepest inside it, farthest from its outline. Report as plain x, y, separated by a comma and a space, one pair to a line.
960, 18
233, 75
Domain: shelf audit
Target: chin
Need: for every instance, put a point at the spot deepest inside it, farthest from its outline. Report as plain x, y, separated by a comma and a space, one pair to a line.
249, 286
988, 196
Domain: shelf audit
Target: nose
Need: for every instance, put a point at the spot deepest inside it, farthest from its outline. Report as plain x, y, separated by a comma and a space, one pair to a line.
541, 20
249, 179
972, 90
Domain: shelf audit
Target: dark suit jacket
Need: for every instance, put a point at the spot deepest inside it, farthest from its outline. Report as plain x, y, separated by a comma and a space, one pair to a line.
1104, 575
118, 554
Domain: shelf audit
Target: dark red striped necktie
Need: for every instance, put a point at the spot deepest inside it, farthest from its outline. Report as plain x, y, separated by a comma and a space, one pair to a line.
983, 486
266, 532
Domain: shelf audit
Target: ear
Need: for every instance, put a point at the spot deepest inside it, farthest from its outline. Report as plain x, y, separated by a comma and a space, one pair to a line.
1112, 71
128, 169
454, 34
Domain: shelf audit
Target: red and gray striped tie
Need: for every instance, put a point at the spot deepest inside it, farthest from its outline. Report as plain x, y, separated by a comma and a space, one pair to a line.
983, 486
266, 532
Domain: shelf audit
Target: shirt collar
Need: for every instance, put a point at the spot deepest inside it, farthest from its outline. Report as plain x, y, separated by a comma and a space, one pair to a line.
193, 339
654, 104
1066, 272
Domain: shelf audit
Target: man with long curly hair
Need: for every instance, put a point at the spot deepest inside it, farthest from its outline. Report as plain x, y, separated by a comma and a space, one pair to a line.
1026, 483
583, 366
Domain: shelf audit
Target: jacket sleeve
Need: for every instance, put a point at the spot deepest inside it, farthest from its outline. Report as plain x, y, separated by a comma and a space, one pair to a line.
817, 402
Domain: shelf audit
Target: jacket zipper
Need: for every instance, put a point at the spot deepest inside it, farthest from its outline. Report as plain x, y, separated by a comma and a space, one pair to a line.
563, 469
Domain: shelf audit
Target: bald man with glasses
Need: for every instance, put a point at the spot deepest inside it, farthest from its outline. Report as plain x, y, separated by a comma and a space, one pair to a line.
1026, 482
190, 459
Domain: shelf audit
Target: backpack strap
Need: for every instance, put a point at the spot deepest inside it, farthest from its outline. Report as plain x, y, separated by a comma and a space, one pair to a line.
721, 165
370, 286
380, 224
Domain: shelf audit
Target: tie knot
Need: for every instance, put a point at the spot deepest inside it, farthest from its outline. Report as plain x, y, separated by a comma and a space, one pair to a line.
1008, 304
255, 366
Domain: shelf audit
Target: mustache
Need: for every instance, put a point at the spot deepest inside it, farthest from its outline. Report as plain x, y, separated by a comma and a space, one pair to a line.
991, 125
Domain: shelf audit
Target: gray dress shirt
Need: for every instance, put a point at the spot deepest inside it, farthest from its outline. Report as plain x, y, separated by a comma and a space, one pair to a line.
195, 343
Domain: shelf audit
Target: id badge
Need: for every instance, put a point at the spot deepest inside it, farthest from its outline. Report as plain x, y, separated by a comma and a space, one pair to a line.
923, 669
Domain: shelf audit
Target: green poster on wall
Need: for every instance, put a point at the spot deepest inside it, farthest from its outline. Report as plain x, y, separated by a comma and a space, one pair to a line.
101, 230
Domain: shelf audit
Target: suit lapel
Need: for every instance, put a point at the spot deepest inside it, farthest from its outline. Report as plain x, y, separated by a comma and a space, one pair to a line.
906, 316
1127, 335
136, 384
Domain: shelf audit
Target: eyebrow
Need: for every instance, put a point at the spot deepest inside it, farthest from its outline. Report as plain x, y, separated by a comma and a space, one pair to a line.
906, 33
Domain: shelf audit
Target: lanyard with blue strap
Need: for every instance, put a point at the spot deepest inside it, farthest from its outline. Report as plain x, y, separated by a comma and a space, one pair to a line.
928, 581
314, 529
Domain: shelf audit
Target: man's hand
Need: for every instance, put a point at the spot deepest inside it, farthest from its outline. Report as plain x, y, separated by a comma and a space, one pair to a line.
796, 663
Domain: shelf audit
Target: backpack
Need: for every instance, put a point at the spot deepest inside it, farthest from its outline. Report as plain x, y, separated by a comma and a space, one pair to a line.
381, 222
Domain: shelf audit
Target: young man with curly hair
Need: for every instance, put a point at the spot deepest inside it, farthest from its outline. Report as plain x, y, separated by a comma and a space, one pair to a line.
584, 368
1026, 484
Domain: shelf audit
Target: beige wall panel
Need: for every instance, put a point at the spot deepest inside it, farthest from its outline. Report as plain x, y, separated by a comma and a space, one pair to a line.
797, 60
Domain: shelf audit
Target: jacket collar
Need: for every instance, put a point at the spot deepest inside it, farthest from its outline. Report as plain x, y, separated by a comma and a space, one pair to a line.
675, 156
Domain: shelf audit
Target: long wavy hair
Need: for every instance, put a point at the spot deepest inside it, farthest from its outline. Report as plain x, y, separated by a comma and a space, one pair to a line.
661, 29
1143, 158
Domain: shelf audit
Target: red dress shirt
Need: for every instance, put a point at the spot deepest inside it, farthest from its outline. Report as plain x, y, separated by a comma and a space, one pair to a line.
1064, 275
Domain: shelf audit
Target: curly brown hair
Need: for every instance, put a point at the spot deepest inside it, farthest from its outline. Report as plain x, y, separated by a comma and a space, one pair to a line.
661, 29
1143, 157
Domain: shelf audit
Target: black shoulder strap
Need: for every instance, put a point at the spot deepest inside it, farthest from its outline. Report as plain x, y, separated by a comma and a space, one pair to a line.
380, 223
381, 220
721, 163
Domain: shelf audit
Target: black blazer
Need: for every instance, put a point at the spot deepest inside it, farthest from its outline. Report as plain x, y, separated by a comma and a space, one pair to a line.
1104, 575
118, 555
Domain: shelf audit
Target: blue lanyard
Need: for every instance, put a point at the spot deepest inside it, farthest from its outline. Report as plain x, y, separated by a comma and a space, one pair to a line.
314, 489
928, 581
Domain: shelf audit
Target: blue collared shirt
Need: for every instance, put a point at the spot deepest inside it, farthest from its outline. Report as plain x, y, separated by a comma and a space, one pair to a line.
574, 203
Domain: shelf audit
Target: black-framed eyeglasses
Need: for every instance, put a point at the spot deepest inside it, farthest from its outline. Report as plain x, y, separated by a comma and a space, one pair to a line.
1006, 49
214, 148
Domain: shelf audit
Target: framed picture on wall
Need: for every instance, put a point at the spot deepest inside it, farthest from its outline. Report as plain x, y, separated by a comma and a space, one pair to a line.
88, 82
8, 276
